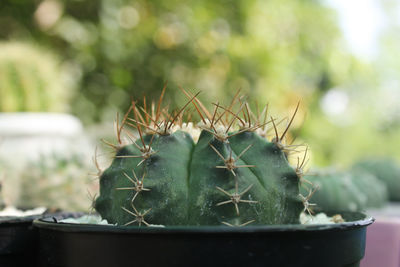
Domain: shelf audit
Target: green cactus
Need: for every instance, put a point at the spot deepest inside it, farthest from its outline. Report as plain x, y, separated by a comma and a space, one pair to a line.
386, 170
375, 190
222, 171
346, 191
30, 80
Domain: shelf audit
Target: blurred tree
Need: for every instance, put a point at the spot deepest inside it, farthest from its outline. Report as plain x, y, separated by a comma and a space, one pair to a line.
274, 50
360, 117
31, 80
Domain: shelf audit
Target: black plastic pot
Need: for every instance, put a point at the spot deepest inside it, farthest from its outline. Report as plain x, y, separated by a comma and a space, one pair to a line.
18, 240
72, 245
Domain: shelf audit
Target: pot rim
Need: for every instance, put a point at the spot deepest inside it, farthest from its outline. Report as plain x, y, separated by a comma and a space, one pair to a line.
12, 220
49, 223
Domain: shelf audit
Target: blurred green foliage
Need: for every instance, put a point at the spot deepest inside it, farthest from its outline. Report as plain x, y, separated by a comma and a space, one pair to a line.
31, 80
276, 51
369, 123
270, 49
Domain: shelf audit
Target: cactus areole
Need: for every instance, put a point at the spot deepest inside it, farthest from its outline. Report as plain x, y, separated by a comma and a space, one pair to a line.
225, 170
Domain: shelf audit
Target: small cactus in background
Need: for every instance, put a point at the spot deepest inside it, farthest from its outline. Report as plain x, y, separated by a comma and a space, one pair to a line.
222, 170
375, 190
30, 79
2, 204
346, 191
57, 182
10, 184
386, 170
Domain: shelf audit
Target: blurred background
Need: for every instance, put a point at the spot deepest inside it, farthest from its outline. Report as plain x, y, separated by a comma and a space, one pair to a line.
88, 58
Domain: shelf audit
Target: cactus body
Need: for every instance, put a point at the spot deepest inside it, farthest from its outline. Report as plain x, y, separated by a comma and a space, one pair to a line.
235, 178
166, 175
375, 190
386, 170
346, 191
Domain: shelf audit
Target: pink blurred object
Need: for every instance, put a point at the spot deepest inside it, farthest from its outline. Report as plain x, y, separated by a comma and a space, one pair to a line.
383, 242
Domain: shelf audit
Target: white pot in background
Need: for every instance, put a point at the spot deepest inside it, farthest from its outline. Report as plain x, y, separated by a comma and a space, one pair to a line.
27, 136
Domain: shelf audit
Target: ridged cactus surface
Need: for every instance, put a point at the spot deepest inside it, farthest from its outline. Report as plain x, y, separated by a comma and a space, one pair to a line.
385, 169
375, 190
346, 191
221, 171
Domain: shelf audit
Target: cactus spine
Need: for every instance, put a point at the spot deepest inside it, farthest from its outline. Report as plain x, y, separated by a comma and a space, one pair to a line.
222, 171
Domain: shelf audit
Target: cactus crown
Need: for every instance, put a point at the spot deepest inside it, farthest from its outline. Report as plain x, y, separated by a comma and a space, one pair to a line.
222, 170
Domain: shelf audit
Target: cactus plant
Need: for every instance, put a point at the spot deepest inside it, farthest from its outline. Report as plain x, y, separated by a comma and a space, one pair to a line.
30, 79
2, 204
385, 169
221, 171
346, 190
375, 190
